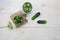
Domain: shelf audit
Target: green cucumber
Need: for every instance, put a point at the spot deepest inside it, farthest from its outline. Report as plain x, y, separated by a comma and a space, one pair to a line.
41, 21
18, 19
27, 7
10, 25
35, 16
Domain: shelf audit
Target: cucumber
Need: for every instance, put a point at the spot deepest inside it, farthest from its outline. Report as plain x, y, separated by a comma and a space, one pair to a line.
41, 21
18, 19
10, 25
35, 16
27, 7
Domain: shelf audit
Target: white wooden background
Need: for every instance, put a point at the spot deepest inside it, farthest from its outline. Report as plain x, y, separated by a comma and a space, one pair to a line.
50, 11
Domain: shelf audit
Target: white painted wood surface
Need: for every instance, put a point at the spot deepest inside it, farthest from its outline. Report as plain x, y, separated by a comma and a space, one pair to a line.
50, 11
